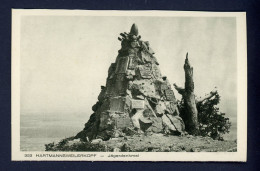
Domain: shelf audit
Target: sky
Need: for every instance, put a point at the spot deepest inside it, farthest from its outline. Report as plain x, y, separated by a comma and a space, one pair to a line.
65, 59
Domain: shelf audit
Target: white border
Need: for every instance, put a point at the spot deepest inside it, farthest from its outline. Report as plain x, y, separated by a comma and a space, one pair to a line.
240, 155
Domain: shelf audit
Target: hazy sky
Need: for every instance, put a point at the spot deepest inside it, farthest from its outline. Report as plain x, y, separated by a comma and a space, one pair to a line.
64, 60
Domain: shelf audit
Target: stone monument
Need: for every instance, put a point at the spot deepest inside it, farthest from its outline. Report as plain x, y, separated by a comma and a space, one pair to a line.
136, 98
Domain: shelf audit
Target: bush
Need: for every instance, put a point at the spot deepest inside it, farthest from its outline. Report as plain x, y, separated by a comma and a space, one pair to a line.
211, 121
49, 147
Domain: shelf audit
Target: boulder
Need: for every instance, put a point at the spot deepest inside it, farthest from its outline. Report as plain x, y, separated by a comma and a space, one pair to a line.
173, 123
96, 141
136, 117
116, 150
156, 126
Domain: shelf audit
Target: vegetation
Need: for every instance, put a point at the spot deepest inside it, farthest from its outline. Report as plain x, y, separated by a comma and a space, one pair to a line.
64, 145
211, 121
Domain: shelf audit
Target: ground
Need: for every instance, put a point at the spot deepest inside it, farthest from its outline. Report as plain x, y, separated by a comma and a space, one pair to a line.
145, 143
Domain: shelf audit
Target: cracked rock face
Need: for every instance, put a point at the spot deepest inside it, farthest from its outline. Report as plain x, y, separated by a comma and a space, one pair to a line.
136, 96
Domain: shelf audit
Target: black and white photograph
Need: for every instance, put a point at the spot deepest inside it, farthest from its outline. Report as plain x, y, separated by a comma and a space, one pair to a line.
129, 85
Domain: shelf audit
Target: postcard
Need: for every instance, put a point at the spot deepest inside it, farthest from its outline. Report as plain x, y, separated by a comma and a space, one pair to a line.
128, 85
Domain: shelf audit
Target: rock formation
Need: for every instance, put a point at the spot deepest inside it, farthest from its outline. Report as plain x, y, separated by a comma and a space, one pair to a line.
136, 98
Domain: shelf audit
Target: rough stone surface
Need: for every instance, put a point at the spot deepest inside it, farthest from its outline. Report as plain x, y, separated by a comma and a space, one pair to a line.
136, 96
